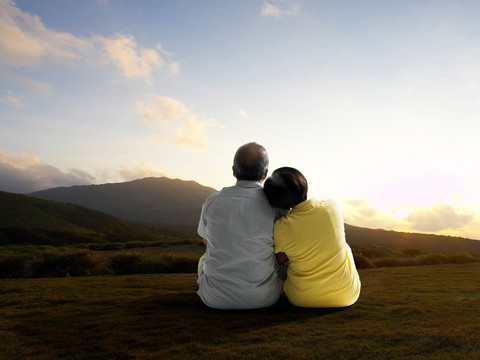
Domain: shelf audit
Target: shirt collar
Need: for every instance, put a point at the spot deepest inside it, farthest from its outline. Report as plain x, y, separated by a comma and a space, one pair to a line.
304, 206
248, 183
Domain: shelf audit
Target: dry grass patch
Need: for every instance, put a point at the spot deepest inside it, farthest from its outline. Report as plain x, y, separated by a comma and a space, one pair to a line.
427, 312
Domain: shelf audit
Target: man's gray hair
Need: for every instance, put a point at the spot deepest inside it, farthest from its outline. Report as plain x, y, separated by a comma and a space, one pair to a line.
250, 162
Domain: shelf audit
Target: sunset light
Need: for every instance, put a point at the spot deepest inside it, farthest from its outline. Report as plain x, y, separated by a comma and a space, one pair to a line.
377, 103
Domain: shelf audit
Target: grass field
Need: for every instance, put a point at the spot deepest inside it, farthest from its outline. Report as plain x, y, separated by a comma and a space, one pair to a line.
427, 312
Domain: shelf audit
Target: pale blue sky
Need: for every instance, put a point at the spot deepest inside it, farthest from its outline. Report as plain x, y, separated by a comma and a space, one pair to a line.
376, 102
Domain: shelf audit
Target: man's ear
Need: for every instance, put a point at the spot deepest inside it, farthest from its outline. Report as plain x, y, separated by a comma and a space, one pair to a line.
265, 176
233, 169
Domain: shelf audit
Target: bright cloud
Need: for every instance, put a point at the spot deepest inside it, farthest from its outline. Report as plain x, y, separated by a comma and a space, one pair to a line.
133, 62
243, 114
360, 211
139, 170
439, 217
436, 218
27, 173
26, 42
281, 8
168, 116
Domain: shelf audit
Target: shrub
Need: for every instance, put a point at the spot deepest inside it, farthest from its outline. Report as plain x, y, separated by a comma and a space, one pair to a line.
57, 264
413, 252
107, 246
16, 267
463, 258
131, 262
85, 263
394, 262
431, 259
375, 252
362, 262
136, 244
181, 263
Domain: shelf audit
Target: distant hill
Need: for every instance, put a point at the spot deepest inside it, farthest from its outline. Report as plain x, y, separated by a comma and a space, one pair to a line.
25, 219
174, 206
400, 240
157, 201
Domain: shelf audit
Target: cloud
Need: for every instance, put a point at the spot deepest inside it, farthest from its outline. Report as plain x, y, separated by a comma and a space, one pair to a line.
27, 173
25, 42
175, 68
133, 61
439, 217
363, 207
283, 7
360, 212
139, 170
243, 114
11, 100
173, 118
35, 86
472, 230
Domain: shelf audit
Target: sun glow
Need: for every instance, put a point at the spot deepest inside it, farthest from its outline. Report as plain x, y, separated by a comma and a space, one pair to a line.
400, 213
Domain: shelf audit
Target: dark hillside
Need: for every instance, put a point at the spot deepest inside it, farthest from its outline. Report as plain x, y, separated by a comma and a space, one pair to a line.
173, 206
157, 201
25, 219
400, 240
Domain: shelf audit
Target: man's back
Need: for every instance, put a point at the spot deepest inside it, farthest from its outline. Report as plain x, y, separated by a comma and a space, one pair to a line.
239, 266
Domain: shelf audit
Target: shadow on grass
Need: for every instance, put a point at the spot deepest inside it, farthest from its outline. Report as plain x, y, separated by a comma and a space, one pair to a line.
186, 316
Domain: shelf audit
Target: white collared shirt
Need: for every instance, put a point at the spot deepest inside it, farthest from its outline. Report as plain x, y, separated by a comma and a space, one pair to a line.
239, 270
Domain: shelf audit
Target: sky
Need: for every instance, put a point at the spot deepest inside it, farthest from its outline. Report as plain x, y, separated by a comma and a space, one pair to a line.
377, 103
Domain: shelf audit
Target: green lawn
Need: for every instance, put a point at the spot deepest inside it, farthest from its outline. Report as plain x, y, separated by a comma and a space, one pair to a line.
426, 312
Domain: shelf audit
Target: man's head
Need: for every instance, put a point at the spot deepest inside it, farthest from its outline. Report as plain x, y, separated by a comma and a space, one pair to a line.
250, 162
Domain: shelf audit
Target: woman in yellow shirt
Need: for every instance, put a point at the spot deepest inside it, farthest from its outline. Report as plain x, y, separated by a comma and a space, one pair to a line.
311, 236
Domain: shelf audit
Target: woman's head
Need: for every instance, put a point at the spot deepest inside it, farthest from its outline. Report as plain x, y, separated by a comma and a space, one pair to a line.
286, 188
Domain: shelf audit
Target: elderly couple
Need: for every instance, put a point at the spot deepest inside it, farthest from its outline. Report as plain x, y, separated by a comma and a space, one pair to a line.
252, 232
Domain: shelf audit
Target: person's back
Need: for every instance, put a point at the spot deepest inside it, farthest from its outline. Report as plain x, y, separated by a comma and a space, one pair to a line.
238, 269
321, 271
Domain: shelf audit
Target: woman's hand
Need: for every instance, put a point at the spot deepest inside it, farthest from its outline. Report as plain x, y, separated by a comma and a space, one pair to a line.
282, 258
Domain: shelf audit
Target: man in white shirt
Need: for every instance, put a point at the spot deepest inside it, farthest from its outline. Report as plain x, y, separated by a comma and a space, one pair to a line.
238, 269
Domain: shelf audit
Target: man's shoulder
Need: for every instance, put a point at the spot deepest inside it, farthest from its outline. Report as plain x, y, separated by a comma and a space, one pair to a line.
212, 196
228, 191
253, 192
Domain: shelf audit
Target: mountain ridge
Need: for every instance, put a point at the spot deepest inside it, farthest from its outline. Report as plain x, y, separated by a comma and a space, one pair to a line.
403, 240
151, 200
177, 204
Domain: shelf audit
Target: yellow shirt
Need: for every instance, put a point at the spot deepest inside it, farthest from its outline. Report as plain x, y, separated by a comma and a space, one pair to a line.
322, 270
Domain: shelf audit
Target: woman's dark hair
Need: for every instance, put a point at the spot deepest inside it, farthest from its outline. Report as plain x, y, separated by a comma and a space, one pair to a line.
286, 188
